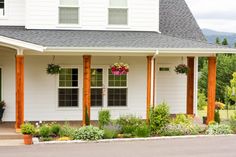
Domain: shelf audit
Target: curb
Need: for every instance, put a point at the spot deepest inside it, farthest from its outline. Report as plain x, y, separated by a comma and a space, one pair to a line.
36, 140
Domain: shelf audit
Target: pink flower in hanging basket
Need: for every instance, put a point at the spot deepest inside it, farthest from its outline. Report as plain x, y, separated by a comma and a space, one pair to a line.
119, 69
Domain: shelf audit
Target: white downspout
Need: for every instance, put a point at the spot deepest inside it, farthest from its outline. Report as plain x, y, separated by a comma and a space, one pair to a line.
152, 76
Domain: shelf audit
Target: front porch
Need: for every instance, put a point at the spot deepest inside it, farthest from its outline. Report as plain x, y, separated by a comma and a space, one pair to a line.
38, 94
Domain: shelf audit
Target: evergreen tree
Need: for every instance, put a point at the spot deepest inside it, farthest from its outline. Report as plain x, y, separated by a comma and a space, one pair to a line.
225, 42
218, 41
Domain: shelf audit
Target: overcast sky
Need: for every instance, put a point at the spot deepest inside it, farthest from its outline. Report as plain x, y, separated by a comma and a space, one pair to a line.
219, 15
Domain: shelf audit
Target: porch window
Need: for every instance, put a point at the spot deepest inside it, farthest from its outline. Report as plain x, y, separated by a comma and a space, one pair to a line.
118, 12
69, 12
68, 87
2, 7
117, 90
96, 87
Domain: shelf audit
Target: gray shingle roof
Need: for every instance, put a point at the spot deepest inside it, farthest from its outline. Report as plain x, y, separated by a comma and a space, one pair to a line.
114, 39
177, 20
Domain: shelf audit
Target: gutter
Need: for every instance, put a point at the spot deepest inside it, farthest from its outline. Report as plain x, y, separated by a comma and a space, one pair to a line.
152, 76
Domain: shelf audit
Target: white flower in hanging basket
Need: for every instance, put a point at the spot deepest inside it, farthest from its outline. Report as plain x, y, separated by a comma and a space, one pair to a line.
119, 69
53, 69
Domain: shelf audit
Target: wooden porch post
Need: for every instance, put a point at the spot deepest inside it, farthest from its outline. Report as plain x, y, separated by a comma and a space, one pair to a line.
190, 86
19, 91
86, 88
211, 89
148, 103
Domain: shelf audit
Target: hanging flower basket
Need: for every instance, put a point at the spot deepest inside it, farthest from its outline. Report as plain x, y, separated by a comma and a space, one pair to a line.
119, 69
53, 69
182, 69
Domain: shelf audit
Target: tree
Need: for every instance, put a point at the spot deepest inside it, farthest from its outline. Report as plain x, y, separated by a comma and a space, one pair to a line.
231, 90
235, 45
218, 41
225, 42
226, 66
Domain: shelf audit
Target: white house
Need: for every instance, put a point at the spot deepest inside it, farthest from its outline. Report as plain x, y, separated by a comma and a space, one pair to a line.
85, 37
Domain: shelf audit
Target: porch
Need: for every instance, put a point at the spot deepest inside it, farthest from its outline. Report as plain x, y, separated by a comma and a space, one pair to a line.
37, 93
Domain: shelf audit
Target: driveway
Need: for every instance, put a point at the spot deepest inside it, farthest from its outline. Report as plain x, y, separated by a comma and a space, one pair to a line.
193, 147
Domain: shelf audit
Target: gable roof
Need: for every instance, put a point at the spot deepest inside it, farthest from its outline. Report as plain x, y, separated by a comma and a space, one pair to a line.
177, 20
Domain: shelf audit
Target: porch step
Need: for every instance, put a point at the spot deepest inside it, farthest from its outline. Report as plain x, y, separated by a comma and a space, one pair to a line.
11, 136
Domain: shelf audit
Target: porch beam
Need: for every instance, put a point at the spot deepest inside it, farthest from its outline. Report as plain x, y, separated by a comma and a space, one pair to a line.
149, 75
190, 86
86, 89
211, 88
19, 91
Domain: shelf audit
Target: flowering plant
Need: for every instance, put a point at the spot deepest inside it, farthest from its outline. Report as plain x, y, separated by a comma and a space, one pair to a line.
2, 104
119, 69
219, 106
53, 69
181, 69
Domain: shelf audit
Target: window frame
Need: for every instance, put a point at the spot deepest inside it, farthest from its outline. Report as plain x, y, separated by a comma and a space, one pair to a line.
69, 6
4, 17
78, 88
123, 8
120, 87
102, 87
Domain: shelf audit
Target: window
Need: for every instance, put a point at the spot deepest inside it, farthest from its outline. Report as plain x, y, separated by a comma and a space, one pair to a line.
68, 91
117, 90
96, 87
118, 12
164, 69
2, 8
69, 12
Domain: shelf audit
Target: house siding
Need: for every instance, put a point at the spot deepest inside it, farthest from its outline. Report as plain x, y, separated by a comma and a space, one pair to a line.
142, 15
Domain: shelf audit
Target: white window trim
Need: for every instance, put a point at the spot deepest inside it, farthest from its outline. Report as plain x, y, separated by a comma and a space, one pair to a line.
65, 108
121, 87
69, 6
5, 17
103, 87
112, 26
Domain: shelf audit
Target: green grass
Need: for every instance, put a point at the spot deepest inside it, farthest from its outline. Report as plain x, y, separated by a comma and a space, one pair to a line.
223, 113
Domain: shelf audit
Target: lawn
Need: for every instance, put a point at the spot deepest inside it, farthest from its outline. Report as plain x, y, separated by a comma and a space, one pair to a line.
224, 114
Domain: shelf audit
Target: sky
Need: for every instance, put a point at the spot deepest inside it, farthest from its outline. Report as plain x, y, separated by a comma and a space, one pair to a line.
219, 15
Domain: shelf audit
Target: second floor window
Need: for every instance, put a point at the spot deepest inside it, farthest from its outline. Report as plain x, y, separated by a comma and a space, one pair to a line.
69, 12
2, 7
118, 12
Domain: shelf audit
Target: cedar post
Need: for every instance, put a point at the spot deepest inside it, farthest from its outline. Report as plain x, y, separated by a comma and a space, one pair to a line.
86, 88
148, 103
211, 88
19, 91
190, 86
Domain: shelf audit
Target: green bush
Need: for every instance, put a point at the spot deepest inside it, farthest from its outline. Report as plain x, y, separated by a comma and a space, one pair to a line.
218, 129
201, 103
232, 122
88, 133
159, 118
104, 118
67, 131
27, 129
217, 116
142, 131
55, 129
45, 131
182, 119
180, 129
111, 131
129, 123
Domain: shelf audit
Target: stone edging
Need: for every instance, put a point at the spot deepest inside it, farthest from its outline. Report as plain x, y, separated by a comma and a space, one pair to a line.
36, 140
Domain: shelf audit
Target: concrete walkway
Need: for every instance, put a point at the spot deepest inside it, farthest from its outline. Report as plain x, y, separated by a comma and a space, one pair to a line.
193, 147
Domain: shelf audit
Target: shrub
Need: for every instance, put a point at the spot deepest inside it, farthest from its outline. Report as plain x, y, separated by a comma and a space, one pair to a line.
182, 119
67, 131
46, 138
104, 118
27, 129
218, 129
111, 131
217, 116
45, 131
88, 133
159, 118
55, 128
142, 131
180, 129
201, 100
232, 122
129, 123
